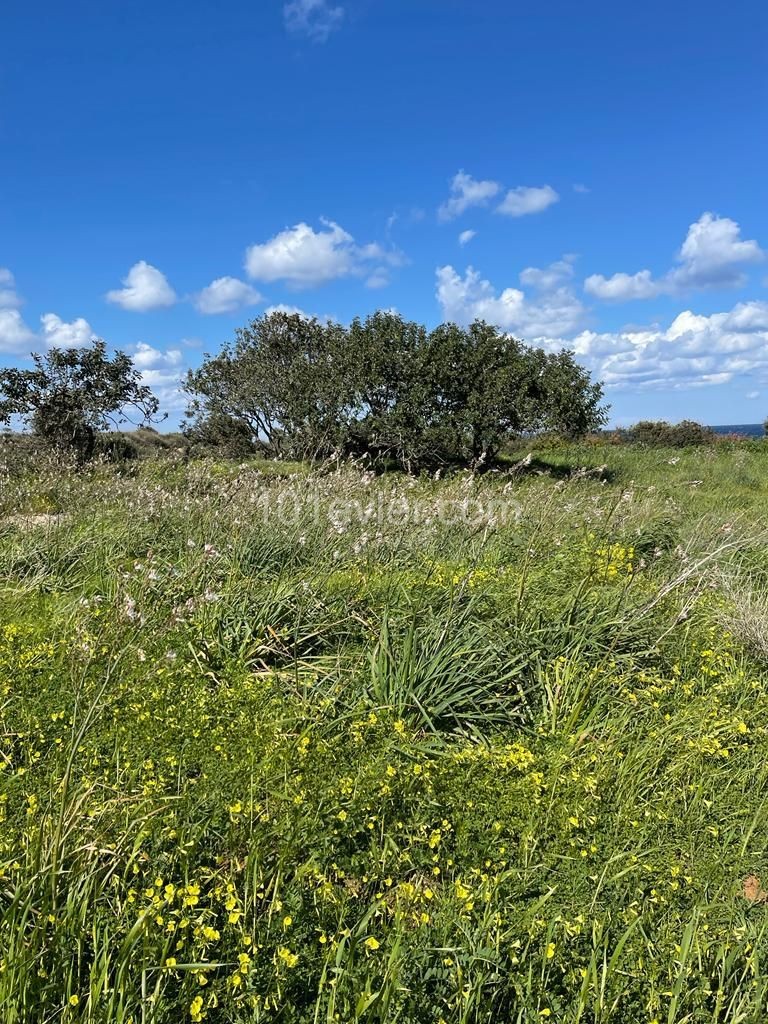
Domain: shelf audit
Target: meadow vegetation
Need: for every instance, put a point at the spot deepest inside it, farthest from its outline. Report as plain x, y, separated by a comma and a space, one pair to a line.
302, 745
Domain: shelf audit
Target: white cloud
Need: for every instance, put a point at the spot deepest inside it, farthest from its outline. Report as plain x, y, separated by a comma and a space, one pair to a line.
226, 295
9, 298
466, 236
281, 307
149, 359
554, 309
145, 288
752, 394
466, 191
712, 256
692, 351
304, 258
712, 253
161, 371
378, 279
315, 19
581, 189
523, 200
622, 287
16, 338
548, 278
59, 334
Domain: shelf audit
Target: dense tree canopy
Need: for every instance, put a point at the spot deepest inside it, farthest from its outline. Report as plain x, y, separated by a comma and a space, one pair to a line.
71, 394
387, 387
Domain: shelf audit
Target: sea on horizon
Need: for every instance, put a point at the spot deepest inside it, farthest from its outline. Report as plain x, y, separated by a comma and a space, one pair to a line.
746, 429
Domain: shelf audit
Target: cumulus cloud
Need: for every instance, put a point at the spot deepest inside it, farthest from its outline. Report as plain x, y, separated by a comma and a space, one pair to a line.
693, 351
712, 256
466, 236
282, 307
57, 333
145, 288
378, 279
466, 191
622, 287
9, 297
15, 336
552, 306
226, 295
547, 279
149, 359
525, 199
305, 258
162, 372
315, 19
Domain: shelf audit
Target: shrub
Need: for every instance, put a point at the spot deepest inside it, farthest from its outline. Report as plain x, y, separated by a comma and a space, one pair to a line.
670, 435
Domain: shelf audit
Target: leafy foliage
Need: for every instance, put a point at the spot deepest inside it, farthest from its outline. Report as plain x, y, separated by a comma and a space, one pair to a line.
71, 394
658, 433
387, 388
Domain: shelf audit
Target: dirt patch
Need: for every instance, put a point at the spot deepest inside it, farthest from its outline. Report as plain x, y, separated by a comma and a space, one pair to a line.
753, 890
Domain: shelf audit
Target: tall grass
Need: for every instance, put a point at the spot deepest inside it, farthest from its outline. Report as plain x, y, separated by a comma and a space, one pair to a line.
320, 746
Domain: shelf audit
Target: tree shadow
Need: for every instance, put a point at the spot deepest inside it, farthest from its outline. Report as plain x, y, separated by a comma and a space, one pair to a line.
556, 469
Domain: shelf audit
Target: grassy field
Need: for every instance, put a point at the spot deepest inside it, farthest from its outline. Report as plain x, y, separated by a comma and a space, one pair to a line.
292, 746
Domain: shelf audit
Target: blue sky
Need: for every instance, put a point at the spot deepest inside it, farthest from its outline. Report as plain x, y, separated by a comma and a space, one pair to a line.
590, 175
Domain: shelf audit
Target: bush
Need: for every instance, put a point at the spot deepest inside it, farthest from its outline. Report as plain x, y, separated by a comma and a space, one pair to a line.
115, 447
221, 434
659, 433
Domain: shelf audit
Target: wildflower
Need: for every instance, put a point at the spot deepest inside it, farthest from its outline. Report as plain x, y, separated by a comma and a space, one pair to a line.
196, 1009
288, 958
74, 1000
371, 943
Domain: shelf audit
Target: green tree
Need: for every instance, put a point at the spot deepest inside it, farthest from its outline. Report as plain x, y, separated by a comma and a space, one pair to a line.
71, 394
570, 399
385, 360
283, 378
489, 388
387, 388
